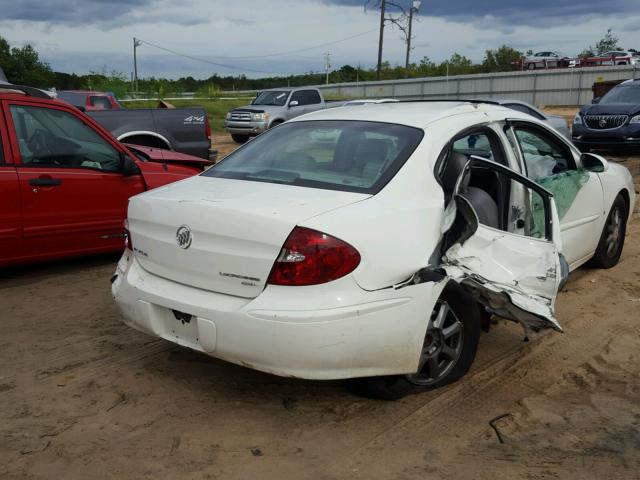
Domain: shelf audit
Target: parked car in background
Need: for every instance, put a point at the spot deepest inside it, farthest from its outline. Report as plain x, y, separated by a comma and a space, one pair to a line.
555, 121
371, 243
611, 122
547, 60
65, 181
614, 57
88, 100
271, 108
367, 101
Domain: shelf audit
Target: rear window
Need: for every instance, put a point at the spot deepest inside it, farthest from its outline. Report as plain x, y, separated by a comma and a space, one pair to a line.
351, 156
100, 102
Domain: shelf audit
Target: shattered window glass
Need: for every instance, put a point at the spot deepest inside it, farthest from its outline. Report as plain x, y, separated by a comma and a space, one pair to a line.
550, 164
565, 187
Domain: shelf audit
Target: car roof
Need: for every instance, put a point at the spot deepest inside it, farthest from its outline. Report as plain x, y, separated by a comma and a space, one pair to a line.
85, 92
414, 114
43, 98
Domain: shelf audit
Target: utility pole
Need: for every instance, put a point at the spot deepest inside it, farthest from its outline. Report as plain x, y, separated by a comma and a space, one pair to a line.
327, 65
415, 5
136, 44
383, 5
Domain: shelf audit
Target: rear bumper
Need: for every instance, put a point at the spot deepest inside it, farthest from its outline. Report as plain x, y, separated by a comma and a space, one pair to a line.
245, 128
381, 334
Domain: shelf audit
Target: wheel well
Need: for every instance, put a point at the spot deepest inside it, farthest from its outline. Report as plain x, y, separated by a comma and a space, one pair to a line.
275, 123
627, 201
146, 141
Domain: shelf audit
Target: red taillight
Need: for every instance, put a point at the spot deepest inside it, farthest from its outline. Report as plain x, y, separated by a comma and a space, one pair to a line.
309, 257
207, 126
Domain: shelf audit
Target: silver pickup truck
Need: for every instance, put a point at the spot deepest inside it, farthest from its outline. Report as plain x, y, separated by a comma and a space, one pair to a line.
272, 107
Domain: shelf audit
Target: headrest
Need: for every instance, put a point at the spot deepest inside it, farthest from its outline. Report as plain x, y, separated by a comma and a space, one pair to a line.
453, 168
371, 149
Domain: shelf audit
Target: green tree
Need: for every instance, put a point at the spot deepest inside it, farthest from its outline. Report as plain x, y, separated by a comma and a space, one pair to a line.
587, 52
210, 91
607, 43
456, 65
113, 81
23, 66
503, 59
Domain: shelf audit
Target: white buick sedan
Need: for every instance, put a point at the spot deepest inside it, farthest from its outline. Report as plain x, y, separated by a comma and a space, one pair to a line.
371, 244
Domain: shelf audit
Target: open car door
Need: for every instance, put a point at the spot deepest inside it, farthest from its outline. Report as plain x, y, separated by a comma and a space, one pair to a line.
516, 270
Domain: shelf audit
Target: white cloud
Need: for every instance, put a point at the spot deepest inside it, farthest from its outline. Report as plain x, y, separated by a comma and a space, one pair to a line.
227, 32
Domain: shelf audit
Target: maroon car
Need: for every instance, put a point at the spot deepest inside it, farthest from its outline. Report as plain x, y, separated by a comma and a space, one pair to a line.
89, 100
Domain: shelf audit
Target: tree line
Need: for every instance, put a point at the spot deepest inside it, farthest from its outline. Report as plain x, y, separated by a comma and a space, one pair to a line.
22, 65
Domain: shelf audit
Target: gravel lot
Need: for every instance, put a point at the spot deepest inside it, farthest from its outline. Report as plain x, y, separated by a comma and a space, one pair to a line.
83, 396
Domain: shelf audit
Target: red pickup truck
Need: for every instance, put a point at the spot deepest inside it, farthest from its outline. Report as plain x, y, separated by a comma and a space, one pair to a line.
65, 181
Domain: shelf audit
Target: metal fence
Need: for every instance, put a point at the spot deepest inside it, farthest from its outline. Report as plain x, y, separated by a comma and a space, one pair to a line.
571, 86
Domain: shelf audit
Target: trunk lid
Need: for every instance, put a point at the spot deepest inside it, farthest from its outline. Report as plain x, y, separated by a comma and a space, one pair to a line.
233, 230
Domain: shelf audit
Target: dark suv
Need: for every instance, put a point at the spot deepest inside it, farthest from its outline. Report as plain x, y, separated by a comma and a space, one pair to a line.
612, 122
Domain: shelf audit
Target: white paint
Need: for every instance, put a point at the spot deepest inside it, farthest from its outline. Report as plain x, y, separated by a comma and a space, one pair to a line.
356, 325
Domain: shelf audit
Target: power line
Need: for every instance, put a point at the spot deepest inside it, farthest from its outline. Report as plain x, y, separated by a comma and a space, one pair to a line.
289, 52
198, 59
245, 69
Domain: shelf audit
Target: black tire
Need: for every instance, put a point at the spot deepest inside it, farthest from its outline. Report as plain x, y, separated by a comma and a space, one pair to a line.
394, 387
531, 66
239, 138
275, 123
612, 239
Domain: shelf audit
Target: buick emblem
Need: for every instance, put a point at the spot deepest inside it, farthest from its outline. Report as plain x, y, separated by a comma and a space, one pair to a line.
603, 122
184, 237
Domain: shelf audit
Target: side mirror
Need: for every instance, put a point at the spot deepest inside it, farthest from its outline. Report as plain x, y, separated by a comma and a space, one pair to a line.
596, 100
127, 166
594, 163
293, 103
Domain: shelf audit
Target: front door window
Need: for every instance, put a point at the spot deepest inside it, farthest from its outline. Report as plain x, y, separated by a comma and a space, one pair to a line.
55, 138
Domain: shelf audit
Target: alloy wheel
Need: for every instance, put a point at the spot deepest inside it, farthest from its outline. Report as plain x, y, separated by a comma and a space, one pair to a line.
614, 228
442, 346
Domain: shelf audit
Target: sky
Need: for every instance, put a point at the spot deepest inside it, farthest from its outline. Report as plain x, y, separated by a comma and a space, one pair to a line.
261, 38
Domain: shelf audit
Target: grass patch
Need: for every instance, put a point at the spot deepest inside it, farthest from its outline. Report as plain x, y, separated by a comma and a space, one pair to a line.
216, 109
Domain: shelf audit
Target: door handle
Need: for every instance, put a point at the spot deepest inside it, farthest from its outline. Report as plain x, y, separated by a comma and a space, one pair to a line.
45, 182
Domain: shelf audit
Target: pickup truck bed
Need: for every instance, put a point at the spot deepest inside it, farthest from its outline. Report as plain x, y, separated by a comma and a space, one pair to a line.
184, 130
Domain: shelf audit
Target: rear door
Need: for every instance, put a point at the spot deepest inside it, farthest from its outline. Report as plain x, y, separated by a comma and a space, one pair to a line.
73, 194
10, 212
515, 271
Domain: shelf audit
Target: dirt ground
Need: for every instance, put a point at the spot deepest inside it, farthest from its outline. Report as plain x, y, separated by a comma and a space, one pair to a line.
224, 144
84, 396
